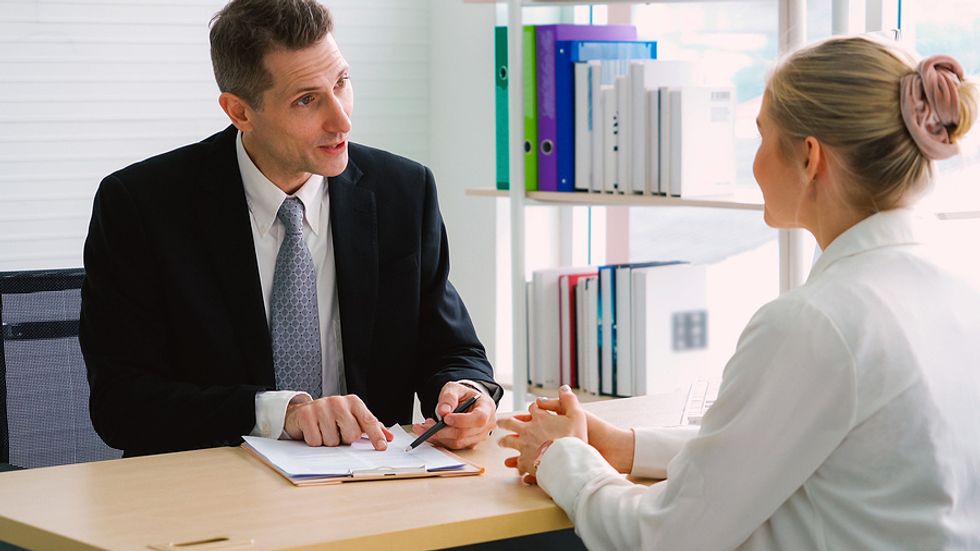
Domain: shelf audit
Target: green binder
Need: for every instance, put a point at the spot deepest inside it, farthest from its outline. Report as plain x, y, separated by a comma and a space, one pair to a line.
530, 47
503, 121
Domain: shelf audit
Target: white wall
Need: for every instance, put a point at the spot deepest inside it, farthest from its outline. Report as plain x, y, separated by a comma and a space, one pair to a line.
90, 86
461, 138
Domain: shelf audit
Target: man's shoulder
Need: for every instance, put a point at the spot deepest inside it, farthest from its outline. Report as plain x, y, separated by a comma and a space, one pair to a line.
175, 165
385, 164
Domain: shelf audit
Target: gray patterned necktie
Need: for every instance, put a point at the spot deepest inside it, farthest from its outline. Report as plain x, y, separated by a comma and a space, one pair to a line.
295, 323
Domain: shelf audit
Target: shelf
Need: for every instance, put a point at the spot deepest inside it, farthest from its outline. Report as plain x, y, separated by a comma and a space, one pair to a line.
587, 2
738, 202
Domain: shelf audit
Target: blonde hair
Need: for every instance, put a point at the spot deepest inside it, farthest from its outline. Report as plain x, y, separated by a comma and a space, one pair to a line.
846, 93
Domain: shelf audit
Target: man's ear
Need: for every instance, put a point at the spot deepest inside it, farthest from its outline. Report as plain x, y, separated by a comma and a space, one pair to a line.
238, 110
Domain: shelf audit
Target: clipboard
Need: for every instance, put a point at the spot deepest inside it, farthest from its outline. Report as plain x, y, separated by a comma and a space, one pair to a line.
383, 473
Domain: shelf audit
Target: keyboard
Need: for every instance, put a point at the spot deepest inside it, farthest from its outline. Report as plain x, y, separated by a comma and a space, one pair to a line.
700, 397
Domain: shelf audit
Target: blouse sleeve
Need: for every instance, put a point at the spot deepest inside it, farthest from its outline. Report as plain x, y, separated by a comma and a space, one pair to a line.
786, 401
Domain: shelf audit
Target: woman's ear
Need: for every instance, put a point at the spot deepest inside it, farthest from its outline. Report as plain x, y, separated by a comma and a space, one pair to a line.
813, 159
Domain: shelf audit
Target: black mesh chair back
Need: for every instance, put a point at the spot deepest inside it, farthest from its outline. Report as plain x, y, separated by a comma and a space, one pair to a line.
44, 416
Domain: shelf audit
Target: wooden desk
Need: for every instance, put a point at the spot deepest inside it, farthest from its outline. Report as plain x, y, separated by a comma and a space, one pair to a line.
197, 495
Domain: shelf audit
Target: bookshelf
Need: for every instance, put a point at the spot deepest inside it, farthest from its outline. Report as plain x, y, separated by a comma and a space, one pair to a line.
792, 267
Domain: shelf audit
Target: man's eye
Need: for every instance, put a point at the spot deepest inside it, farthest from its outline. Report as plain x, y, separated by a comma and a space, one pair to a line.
342, 82
305, 100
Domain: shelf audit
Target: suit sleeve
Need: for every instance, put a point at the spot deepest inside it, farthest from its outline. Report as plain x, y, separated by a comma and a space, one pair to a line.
449, 349
137, 404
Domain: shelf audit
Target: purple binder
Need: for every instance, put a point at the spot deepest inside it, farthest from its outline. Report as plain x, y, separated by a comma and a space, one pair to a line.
547, 36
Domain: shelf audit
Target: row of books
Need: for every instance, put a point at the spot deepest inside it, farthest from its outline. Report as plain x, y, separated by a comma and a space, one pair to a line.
619, 330
603, 114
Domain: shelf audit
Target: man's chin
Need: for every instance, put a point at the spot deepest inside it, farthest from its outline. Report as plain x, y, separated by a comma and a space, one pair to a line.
335, 166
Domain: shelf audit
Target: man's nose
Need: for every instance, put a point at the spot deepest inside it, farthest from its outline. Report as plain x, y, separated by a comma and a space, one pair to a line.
337, 121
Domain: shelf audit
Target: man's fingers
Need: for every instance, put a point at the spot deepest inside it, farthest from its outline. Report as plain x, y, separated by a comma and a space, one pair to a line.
328, 426
309, 427
389, 436
478, 416
369, 425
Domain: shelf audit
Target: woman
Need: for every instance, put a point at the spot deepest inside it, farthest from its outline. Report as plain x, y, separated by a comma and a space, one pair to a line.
847, 417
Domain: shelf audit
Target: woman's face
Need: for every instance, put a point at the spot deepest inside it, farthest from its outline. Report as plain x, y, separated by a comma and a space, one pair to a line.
780, 179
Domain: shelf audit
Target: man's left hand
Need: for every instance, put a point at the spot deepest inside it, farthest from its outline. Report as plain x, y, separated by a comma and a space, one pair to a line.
463, 430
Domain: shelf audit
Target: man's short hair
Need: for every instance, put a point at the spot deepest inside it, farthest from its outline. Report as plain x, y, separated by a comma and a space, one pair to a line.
244, 31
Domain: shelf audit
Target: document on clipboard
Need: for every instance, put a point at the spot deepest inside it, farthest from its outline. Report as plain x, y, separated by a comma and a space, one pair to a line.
304, 465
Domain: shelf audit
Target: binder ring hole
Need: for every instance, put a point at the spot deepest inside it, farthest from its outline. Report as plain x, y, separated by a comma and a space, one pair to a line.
547, 147
527, 147
503, 73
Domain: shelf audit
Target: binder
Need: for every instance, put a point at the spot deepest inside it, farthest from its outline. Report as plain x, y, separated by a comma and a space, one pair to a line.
272, 453
570, 54
530, 109
547, 37
500, 100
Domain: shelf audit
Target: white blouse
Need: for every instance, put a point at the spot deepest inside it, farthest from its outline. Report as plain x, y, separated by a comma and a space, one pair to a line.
848, 418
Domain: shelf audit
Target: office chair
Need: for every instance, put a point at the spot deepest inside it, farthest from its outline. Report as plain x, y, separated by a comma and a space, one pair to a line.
44, 416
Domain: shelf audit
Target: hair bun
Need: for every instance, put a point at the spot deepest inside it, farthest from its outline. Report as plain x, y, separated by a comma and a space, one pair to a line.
930, 102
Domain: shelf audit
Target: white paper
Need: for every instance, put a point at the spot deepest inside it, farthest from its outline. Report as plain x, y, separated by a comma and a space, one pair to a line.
296, 459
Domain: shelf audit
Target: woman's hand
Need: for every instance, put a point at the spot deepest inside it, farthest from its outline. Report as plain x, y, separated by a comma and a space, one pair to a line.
615, 444
540, 426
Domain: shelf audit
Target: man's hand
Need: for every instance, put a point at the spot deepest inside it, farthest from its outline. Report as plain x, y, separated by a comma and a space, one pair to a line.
463, 430
335, 420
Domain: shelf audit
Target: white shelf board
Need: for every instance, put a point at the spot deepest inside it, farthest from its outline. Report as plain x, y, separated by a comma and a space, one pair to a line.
587, 2
611, 199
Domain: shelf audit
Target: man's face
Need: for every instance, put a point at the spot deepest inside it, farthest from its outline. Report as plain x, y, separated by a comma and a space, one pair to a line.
304, 122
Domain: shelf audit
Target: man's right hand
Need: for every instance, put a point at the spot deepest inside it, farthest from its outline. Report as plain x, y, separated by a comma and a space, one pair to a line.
335, 420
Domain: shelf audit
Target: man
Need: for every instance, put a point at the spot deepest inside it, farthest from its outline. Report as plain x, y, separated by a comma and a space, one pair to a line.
275, 279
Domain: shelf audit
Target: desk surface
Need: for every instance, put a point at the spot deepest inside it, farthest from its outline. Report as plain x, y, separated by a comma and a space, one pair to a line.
223, 492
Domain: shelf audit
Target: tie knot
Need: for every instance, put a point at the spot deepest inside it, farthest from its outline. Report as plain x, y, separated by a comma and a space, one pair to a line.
291, 215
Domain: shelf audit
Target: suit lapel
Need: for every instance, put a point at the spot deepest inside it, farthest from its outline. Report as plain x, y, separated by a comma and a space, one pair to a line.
353, 221
227, 235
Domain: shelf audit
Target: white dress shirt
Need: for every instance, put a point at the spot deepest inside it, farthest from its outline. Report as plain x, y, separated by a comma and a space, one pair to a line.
264, 199
846, 419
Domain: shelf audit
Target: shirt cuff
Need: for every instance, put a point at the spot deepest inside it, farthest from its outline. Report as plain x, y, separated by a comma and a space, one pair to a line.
654, 448
270, 412
480, 386
566, 467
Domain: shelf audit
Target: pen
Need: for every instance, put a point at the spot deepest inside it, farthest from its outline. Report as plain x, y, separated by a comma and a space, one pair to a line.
441, 424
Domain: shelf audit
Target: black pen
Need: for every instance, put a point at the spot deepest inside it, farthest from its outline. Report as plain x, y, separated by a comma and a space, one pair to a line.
441, 424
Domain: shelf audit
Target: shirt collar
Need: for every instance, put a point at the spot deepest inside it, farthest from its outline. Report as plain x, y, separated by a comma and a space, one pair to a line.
264, 198
882, 229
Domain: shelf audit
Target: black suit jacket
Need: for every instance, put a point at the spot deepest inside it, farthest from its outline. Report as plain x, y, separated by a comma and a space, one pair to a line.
173, 326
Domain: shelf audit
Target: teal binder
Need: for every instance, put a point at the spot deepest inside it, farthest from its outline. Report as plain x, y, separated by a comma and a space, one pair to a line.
503, 121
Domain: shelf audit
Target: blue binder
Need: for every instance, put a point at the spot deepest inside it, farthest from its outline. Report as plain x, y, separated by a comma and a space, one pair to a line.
567, 53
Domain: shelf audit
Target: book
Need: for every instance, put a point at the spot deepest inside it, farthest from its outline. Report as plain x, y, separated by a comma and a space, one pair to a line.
305, 465
567, 311
613, 312
670, 327
643, 76
501, 110
702, 120
547, 340
548, 81
590, 335
572, 92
